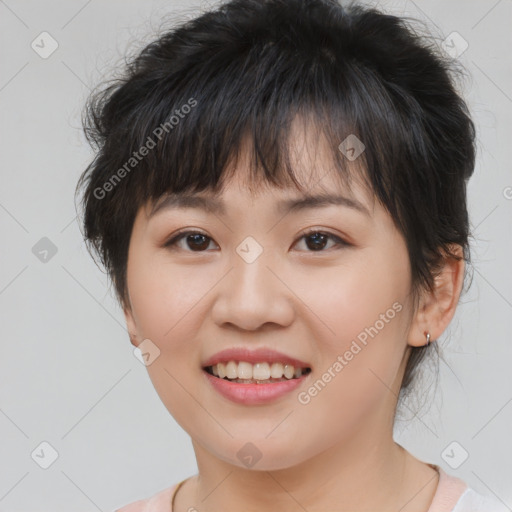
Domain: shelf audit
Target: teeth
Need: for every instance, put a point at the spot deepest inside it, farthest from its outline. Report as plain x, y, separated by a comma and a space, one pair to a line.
260, 371
289, 371
232, 370
244, 370
276, 370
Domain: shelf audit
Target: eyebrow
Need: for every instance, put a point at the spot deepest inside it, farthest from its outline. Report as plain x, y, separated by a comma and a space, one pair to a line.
216, 205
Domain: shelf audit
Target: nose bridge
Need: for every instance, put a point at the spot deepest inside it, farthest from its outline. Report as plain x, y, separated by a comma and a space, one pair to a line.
251, 294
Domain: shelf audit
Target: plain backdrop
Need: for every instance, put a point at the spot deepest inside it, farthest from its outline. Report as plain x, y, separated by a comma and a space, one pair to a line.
71, 388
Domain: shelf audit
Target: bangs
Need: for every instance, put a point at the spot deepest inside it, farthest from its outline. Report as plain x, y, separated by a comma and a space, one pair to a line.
194, 131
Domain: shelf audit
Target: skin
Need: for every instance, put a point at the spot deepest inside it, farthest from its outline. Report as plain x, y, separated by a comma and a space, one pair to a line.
336, 452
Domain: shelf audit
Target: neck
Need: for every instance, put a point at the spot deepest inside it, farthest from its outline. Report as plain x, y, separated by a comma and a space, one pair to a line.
357, 475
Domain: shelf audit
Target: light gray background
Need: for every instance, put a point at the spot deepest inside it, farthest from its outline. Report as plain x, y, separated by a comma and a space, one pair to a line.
68, 374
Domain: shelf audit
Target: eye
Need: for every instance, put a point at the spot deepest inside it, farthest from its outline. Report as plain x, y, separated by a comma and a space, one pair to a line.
317, 240
196, 241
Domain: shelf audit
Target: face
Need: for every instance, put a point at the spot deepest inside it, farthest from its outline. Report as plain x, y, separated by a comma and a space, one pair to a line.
328, 285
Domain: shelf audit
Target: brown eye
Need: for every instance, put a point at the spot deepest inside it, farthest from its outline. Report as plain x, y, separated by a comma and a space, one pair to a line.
316, 241
195, 241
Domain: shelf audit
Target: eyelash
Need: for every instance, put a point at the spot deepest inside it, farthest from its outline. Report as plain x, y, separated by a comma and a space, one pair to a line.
180, 235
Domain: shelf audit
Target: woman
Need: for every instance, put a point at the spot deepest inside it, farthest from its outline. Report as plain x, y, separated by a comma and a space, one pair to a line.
279, 197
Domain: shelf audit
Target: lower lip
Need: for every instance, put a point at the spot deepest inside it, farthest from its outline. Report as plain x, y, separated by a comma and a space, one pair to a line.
252, 394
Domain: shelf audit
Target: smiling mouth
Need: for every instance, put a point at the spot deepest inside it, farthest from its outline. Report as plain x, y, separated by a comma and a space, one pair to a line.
241, 372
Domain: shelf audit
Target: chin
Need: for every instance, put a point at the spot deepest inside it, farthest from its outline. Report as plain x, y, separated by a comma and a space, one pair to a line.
261, 455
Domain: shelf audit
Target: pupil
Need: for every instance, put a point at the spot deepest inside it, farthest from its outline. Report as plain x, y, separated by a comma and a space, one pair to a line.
196, 238
315, 237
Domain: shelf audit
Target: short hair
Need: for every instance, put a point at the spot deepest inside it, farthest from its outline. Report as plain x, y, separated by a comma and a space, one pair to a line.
245, 71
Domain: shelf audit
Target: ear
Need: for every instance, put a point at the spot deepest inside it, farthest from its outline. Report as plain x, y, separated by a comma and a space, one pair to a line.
131, 324
436, 308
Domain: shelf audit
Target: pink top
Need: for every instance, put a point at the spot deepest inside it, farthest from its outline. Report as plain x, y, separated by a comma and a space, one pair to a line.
452, 495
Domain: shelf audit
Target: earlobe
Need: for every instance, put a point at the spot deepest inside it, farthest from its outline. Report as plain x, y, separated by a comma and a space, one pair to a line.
437, 308
133, 339
130, 323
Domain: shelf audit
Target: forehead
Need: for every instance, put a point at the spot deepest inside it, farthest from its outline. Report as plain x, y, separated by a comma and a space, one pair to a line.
282, 200
319, 179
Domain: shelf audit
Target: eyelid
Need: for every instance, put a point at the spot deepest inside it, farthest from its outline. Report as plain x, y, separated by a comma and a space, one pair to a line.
310, 231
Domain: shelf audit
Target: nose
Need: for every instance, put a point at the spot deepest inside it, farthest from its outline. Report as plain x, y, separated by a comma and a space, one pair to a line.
252, 295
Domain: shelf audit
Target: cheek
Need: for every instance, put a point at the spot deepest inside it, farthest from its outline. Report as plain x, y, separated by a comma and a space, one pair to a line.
166, 298
361, 361
168, 309
364, 307
353, 298
164, 303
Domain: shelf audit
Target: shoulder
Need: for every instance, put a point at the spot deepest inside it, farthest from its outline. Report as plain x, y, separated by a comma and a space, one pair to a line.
471, 501
159, 502
454, 495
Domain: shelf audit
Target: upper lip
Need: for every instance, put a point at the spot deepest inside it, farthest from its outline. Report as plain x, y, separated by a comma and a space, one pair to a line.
260, 355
